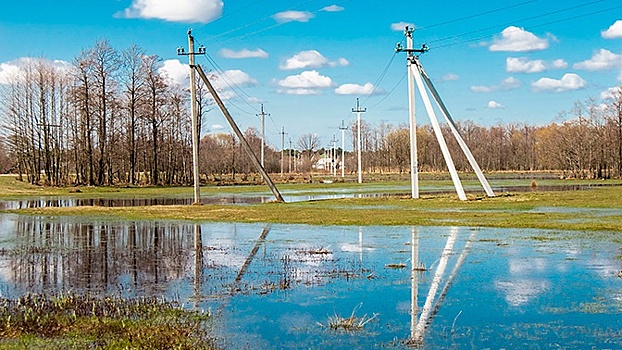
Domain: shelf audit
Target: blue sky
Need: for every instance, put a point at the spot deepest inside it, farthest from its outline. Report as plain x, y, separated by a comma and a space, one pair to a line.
308, 60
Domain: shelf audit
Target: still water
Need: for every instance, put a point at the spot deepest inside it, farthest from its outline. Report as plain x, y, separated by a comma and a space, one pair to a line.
278, 286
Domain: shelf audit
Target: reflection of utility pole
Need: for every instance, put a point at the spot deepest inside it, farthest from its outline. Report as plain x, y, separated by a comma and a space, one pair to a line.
414, 280
358, 111
198, 263
263, 135
193, 112
343, 129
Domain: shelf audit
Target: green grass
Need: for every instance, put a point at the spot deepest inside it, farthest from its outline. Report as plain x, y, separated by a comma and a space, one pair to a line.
598, 209
83, 322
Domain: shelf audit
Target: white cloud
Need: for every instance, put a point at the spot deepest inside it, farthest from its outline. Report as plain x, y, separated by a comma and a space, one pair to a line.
492, 104
568, 82
450, 77
293, 16
509, 83
401, 26
187, 11
244, 53
175, 72
611, 93
601, 60
232, 77
559, 64
333, 8
11, 69
307, 79
356, 89
613, 32
311, 59
299, 91
517, 39
523, 65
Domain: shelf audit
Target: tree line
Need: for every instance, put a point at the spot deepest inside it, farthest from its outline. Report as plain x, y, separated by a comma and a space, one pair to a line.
111, 117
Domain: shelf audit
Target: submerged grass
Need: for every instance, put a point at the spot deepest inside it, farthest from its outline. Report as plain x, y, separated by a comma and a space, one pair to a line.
79, 322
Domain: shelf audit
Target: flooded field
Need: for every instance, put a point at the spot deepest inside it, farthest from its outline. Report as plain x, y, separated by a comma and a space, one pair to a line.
299, 286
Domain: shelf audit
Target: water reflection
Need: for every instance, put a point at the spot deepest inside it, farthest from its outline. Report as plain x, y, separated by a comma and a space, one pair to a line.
273, 284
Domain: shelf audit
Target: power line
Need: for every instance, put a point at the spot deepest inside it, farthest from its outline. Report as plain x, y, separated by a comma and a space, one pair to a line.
519, 20
534, 26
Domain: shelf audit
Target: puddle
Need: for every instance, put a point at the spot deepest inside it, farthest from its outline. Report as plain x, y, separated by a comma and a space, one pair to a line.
278, 286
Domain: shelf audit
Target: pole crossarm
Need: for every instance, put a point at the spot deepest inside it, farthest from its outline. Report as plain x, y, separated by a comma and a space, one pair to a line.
418, 74
239, 134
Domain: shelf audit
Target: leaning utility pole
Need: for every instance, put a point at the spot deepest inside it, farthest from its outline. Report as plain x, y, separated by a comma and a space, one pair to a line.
239, 134
358, 111
343, 129
193, 112
263, 134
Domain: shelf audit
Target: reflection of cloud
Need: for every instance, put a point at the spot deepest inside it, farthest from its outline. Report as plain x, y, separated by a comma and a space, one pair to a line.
522, 291
525, 267
354, 248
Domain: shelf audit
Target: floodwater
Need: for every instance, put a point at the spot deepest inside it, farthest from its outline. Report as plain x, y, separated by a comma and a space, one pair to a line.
278, 286
291, 196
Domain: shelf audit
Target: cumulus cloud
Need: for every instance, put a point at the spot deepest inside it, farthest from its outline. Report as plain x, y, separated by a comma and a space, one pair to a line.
559, 64
244, 53
360, 90
306, 83
175, 72
523, 65
515, 39
509, 83
492, 104
601, 60
568, 82
311, 59
450, 77
610, 93
400, 26
187, 11
232, 77
614, 31
10, 70
333, 8
293, 16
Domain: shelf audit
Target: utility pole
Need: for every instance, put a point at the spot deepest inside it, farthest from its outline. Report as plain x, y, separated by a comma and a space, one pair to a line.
289, 159
343, 129
263, 136
282, 148
193, 112
414, 162
358, 111
333, 170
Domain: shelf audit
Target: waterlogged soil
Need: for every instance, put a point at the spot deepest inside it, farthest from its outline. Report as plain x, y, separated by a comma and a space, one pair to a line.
293, 286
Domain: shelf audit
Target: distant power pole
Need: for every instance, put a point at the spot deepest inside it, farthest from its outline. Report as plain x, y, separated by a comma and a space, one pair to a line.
282, 148
358, 111
289, 159
343, 129
333, 169
263, 136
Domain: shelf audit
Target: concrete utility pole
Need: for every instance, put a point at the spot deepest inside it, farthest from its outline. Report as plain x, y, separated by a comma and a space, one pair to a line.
282, 148
343, 129
414, 162
333, 151
193, 112
358, 111
263, 135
